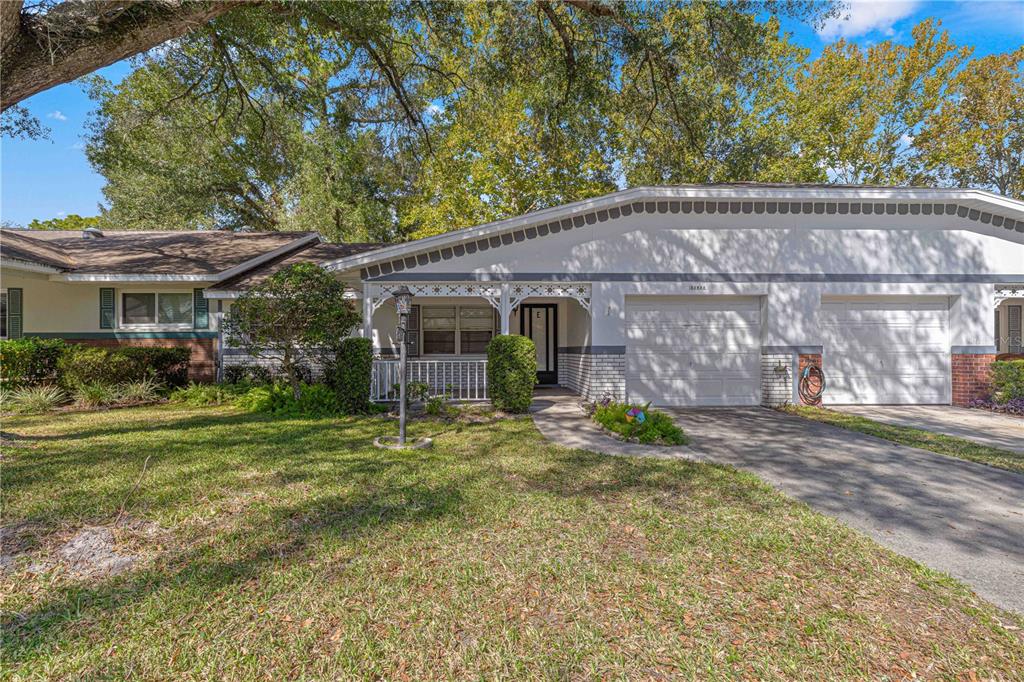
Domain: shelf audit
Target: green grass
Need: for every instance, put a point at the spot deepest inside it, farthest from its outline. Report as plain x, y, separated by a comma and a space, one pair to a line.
290, 548
915, 438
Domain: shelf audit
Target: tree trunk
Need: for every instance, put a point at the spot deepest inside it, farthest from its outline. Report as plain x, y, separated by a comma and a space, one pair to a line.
293, 379
73, 39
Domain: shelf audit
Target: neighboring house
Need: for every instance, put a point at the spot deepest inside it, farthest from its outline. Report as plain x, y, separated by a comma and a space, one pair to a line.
696, 295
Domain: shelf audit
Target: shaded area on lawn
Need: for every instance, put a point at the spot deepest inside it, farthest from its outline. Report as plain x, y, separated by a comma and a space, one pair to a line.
299, 549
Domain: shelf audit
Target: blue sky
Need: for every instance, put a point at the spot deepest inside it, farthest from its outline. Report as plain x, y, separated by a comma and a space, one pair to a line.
52, 178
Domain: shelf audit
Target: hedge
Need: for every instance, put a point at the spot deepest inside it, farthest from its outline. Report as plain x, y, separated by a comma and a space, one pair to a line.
349, 374
511, 372
80, 365
29, 361
1007, 380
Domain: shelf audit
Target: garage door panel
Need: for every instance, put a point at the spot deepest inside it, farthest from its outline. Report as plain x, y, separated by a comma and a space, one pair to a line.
685, 351
886, 351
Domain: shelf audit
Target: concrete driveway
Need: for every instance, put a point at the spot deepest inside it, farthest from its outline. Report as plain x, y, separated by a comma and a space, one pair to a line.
959, 517
988, 428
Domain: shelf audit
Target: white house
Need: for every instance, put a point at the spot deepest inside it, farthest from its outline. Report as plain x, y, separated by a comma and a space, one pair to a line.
715, 295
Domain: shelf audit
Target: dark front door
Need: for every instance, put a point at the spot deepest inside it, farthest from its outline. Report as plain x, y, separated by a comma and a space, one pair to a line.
539, 322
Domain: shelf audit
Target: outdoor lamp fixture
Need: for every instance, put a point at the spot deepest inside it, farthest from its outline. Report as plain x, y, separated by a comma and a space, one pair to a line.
403, 304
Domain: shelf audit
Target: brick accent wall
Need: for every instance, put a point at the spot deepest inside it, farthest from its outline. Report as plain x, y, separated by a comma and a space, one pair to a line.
574, 371
806, 360
593, 376
202, 363
776, 386
971, 378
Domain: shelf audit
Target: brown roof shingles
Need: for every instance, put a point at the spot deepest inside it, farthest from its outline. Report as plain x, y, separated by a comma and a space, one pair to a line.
317, 253
131, 253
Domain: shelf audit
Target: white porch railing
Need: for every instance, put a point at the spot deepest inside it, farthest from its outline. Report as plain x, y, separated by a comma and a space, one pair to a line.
456, 379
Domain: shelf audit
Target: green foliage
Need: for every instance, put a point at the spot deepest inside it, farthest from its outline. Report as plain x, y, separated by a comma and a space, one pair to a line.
1008, 380
37, 399
144, 391
658, 427
29, 361
81, 364
298, 308
202, 395
95, 394
247, 373
68, 222
511, 372
315, 400
349, 373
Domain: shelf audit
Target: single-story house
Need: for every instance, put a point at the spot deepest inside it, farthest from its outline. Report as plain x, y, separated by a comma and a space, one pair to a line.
680, 295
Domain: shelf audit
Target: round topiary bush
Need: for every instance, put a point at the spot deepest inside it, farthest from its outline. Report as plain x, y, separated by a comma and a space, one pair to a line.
511, 372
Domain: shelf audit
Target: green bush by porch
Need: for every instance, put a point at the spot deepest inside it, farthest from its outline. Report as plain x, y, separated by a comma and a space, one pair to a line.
511, 372
1007, 380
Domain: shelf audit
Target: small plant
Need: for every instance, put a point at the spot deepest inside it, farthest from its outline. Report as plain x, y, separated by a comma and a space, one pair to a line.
436, 406
248, 373
639, 423
202, 395
37, 399
315, 400
144, 391
95, 394
415, 392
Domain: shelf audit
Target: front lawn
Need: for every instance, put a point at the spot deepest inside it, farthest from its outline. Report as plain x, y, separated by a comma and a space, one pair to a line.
291, 549
915, 438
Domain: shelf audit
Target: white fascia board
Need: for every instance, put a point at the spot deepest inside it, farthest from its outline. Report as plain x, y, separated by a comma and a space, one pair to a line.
696, 192
26, 266
211, 277
224, 294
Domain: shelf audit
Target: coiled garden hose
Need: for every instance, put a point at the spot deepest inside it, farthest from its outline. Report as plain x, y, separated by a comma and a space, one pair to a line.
809, 392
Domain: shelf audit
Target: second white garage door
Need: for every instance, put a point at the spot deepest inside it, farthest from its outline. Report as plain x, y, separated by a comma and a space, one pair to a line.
886, 350
693, 350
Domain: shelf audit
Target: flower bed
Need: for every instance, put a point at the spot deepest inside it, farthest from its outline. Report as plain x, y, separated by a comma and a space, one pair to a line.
639, 424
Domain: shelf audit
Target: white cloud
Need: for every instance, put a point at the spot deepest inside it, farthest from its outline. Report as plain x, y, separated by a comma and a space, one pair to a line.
57, 116
865, 16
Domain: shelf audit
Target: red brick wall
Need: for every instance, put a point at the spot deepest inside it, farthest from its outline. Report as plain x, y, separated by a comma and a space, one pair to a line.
971, 380
202, 364
810, 359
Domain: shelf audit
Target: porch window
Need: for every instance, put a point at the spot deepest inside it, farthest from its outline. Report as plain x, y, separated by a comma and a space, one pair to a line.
148, 309
457, 330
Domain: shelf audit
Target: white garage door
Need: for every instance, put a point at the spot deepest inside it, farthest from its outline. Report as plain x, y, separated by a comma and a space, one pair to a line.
886, 350
693, 350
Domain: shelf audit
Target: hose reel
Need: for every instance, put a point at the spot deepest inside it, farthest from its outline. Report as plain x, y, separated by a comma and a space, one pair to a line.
812, 384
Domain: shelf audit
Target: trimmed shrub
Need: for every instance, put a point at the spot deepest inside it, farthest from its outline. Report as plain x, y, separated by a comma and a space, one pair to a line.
36, 399
247, 373
657, 427
30, 361
166, 364
1007, 380
511, 372
84, 365
81, 364
349, 374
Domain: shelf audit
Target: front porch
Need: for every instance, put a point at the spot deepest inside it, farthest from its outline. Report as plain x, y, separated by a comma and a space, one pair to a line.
453, 322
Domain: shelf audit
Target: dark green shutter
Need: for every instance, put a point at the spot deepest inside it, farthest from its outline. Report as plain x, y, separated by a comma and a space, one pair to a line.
107, 316
200, 309
15, 319
412, 333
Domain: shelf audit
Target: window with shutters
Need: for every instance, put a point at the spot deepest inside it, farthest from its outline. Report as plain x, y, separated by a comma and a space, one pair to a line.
151, 310
1013, 323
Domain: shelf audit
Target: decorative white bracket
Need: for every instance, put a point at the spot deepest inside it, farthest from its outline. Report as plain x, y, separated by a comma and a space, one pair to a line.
1003, 293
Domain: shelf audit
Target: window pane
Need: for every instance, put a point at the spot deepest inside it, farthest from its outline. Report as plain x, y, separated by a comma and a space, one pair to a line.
438, 317
138, 308
476, 318
475, 342
175, 309
3, 315
435, 343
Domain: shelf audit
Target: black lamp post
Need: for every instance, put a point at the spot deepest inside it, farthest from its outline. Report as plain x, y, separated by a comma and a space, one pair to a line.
403, 304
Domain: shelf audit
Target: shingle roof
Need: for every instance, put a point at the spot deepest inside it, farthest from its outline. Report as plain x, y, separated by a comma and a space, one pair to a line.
316, 253
137, 252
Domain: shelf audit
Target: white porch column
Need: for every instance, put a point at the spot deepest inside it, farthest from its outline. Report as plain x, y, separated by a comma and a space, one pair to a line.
367, 311
506, 308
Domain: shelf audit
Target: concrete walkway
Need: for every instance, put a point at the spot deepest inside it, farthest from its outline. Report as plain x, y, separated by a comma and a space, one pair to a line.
962, 518
1002, 431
